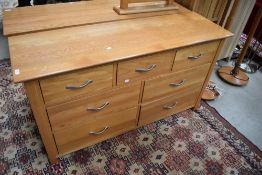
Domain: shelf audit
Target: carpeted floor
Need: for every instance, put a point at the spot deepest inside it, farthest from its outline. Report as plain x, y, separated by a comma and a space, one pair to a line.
191, 143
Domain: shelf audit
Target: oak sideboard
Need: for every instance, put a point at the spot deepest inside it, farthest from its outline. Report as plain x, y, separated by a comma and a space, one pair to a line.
91, 74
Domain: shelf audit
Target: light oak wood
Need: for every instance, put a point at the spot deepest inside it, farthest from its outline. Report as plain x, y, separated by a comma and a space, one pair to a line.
232, 14
209, 94
211, 68
34, 95
141, 1
127, 70
55, 16
205, 53
107, 47
240, 79
124, 3
76, 112
215, 10
110, 42
147, 6
84, 129
79, 137
222, 11
210, 13
188, 79
156, 110
206, 7
55, 91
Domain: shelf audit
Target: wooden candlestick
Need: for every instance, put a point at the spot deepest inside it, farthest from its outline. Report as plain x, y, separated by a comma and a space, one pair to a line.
233, 75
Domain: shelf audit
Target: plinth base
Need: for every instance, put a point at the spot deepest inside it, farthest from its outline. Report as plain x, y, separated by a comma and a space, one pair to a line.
225, 74
145, 8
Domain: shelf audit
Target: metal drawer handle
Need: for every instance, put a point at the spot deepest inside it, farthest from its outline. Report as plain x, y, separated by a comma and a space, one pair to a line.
99, 132
73, 87
167, 107
178, 84
151, 67
194, 57
99, 108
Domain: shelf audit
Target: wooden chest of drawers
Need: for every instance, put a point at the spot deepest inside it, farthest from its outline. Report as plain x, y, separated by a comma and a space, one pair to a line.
92, 82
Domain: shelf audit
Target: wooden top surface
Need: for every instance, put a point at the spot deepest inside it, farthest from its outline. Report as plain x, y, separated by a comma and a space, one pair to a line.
51, 52
54, 16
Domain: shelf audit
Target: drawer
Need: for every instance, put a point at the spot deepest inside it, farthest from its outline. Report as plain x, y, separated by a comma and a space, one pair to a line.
67, 86
93, 108
192, 56
144, 67
165, 107
102, 128
174, 83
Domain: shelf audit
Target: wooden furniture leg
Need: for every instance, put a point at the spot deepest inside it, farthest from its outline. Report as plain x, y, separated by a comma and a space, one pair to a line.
37, 104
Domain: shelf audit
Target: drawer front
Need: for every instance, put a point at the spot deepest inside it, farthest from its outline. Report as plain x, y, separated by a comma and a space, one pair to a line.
144, 67
87, 134
93, 108
192, 56
165, 107
63, 87
174, 83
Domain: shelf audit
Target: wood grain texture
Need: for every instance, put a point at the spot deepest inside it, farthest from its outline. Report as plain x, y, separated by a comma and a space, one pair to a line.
78, 137
241, 79
127, 69
160, 87
83, 130
34, 95
54, 87
211, 68
110, 42
155, 111
207, 51
75, 112
74, 42
144, 6
141, 1
124, 4
54, 16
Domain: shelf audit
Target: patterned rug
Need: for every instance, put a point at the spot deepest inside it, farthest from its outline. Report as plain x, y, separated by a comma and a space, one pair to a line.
191, 143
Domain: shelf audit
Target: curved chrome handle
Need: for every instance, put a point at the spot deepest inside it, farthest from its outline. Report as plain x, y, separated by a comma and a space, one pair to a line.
94, 109
167, 107
151, 67
73, 87
178, 84
194, 57
99, 132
